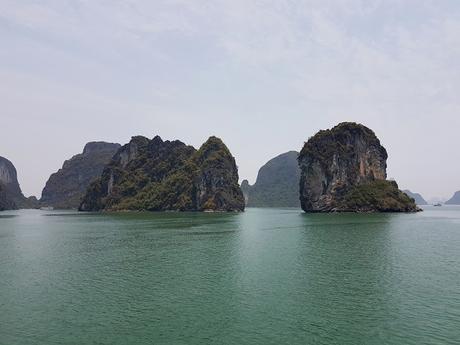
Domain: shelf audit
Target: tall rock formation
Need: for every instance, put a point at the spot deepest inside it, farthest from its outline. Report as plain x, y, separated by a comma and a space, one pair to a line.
344, 170
418, 198
455, 200
277, 183
159, 175
66, 187
11, 196
246, 189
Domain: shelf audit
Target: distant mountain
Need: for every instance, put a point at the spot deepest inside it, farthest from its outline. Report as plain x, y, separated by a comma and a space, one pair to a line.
11, 196
455, 200
157, 175
65, 188
277, 183
419, 200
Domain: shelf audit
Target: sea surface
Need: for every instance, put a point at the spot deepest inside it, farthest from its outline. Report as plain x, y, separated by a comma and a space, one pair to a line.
265, 276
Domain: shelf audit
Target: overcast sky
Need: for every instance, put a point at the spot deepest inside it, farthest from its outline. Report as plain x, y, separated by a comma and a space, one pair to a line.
262, 75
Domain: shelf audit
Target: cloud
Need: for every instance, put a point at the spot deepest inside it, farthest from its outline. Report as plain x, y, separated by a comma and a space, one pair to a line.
264, 74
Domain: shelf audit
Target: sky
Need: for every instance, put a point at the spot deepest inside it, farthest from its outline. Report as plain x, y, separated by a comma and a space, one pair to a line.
262, 75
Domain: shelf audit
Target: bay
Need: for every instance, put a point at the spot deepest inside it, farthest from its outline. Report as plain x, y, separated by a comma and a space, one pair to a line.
265, 276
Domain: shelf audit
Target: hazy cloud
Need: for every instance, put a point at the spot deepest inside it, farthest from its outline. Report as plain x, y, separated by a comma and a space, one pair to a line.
263, 75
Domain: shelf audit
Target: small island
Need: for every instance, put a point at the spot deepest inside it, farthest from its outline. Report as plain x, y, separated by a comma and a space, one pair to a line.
344, 170
157, 175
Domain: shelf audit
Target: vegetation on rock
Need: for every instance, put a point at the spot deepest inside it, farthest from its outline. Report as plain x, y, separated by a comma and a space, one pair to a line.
157, 175
344, 170
378, 195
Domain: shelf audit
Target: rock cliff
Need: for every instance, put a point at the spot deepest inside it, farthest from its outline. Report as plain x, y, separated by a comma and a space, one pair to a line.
11, 196
157, 175
344, 170
246, 189
66, 187
277, 183
6, 202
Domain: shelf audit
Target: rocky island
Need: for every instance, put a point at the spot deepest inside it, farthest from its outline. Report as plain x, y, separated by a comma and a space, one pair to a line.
66, 187
11, 197
277, 183
157, 175
344, 170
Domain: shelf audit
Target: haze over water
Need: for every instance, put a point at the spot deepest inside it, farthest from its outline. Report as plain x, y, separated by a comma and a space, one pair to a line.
265, 276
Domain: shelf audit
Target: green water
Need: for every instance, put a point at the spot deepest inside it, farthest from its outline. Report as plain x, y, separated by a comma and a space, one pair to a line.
266, 276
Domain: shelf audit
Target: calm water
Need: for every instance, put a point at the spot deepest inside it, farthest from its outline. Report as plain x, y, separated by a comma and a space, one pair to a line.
267, 276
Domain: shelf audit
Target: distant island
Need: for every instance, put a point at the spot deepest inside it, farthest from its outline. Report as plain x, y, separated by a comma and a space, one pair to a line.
343, 169
455, 200
277, 183
157, 175
418, 198
11, 197
66, 187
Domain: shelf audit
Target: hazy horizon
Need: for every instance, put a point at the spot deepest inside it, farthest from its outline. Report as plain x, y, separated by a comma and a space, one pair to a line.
263, 76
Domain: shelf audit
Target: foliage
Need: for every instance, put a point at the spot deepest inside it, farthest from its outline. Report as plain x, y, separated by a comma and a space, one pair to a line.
338, 141
379, 195
167, 175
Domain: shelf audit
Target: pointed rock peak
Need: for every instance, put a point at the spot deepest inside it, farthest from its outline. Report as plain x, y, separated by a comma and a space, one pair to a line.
213, 145
244, 183
213, 141
156, 139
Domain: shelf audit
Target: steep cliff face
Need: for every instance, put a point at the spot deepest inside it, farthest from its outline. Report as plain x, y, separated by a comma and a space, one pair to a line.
11, 196
245, 189
216, 178
6, 201
277, 183
344, 169
65, 188
455, 200
159, 175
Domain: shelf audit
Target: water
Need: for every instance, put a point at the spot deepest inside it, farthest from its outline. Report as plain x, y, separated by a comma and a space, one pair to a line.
267, 276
